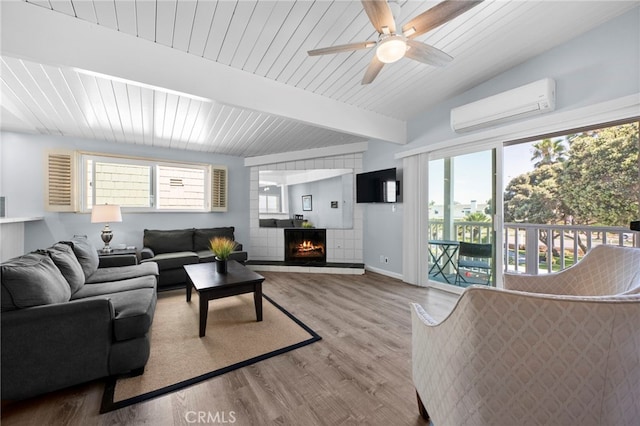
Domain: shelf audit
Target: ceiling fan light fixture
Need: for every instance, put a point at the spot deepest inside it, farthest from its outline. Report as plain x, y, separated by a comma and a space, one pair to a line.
390, 49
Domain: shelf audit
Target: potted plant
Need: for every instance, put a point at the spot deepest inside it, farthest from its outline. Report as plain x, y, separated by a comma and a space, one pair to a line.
222, 248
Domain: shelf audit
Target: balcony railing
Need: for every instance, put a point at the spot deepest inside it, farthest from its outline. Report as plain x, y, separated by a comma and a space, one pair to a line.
536, 248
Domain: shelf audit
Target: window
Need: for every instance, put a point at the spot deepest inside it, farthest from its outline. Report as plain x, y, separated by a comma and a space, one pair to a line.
270, 199
181, 188
110, 181
149, 185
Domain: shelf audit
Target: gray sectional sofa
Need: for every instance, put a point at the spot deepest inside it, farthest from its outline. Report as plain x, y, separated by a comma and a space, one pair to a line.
172, 249
65, 322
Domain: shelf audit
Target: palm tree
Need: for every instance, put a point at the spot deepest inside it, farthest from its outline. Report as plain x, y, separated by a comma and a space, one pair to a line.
476, 230
549, 152
476, 217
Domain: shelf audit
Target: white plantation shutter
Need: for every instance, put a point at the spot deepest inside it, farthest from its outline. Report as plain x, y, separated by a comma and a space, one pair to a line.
219, 201
60, 185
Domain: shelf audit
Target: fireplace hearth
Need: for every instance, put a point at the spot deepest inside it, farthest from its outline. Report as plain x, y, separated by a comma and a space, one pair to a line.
305, 246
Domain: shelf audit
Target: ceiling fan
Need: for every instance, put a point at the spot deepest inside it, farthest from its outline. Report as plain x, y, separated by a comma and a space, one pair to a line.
392, 46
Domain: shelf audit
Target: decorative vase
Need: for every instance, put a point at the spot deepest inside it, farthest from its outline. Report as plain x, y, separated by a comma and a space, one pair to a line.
221, 266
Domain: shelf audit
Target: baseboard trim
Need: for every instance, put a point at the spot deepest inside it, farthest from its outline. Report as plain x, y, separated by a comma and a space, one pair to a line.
446, 287
306, 269
384, 272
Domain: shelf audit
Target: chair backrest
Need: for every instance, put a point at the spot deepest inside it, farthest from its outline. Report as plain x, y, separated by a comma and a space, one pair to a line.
607, 270
604, 270
504, 357
483, 251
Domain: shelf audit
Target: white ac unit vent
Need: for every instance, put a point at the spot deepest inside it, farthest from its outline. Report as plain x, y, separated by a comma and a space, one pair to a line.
531, 99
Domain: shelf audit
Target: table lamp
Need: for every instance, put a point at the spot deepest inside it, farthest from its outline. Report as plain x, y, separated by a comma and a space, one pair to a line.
105, 213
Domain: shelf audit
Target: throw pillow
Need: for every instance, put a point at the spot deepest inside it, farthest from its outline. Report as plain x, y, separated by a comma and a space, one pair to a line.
86, 254
66, 260
32, 280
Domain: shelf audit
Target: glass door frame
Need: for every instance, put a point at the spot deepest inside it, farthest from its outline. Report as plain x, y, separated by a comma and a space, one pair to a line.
497, 202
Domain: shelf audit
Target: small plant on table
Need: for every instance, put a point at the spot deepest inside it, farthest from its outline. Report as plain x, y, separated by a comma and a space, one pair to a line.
222, 247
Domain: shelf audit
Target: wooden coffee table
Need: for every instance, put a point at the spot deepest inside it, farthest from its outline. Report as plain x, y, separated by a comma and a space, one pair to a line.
211, 285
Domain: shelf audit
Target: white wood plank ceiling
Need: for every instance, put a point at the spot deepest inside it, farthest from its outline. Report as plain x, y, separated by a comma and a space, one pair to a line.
292, 101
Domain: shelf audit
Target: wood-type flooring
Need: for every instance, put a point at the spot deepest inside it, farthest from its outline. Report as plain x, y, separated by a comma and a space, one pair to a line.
359, 373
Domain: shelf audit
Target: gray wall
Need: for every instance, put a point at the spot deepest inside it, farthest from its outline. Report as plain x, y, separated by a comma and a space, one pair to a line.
383, 222
600, 65
22, 181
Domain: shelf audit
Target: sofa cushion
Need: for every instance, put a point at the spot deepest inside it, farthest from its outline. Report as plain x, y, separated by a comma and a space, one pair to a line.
267, 223
173, 260
134, 313
208, 256
32, 280
118, 273
65, 259
86, 253
106, 288
284, 223
201, 237
168, 241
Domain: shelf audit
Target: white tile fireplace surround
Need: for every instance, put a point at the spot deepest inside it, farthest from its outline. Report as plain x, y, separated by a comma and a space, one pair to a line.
343, 245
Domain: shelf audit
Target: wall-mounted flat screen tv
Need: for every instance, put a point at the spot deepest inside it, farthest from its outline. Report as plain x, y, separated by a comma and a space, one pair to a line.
380, 186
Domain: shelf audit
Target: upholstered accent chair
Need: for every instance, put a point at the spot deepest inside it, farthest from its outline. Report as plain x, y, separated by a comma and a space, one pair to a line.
605, 270
514, 357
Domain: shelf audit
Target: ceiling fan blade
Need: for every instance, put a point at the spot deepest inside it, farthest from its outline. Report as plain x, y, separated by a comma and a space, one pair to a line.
426, 54
373, 70
380, 15
342, 48
436, 16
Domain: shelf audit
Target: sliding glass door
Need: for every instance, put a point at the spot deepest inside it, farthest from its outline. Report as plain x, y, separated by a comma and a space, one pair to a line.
462, 244
567, 193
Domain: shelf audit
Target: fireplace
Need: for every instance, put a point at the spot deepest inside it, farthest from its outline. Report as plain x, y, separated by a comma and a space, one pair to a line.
305, 245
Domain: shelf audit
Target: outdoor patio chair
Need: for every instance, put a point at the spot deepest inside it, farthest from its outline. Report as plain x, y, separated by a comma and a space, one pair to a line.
506, 358
604, 270
474, 259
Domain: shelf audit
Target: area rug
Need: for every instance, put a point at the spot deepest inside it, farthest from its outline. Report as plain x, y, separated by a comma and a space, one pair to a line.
234, 339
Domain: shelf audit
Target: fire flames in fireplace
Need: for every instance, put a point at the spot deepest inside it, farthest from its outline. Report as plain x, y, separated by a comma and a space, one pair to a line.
305, 245
309, 247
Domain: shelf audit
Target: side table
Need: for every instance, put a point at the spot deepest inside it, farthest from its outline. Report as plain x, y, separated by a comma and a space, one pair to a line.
442, 254
118, 257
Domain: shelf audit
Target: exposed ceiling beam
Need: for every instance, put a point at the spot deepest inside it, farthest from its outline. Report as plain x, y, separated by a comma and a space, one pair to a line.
44, 36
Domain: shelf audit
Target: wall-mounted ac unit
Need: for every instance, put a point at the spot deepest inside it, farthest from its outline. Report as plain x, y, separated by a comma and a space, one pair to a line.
531, 99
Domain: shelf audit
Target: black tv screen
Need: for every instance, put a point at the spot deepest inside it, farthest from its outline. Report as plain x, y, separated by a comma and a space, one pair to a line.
376, 187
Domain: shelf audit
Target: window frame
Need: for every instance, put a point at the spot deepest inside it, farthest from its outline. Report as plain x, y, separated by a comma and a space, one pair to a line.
154, 186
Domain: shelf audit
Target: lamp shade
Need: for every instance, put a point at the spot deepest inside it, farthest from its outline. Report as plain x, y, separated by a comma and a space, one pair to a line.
105, 213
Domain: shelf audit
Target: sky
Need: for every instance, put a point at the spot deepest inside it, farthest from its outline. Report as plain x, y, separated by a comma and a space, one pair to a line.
472, 173
517, 160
